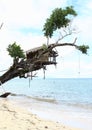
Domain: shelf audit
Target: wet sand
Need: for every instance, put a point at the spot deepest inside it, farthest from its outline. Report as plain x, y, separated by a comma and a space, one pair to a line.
13, 117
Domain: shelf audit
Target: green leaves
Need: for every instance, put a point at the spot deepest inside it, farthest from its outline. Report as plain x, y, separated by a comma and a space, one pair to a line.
15, 51
44, 47
83, 48
58, 18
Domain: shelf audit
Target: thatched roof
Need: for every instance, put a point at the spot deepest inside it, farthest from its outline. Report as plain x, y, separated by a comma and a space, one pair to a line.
34, 50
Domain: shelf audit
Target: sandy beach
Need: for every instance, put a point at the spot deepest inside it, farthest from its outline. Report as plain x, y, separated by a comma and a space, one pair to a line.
14, 117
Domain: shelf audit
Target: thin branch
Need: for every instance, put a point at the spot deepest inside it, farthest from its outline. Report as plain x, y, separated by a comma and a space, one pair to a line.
65, 35
51, 46
69, 30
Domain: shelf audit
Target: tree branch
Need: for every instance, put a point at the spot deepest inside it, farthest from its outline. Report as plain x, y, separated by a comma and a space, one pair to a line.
35, 62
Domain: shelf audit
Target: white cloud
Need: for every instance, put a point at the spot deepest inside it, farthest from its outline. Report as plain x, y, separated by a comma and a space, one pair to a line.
27, 13
84, 20
84, 27
22, 14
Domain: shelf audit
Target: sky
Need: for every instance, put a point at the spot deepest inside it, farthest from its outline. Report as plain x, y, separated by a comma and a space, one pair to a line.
23, 22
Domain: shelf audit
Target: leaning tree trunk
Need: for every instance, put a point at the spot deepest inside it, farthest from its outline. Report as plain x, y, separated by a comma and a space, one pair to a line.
34, 63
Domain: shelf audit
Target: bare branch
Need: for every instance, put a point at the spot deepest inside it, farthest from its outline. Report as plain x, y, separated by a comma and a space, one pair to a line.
63, 44
63, 36
67, 31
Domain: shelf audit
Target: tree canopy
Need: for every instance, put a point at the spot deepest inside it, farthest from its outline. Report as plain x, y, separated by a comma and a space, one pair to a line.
59, 18
15, 51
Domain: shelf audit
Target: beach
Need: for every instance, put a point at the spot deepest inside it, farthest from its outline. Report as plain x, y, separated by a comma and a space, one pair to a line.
13, 117
54, 104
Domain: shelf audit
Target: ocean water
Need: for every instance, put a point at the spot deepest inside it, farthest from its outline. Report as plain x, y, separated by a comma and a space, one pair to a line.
66, 92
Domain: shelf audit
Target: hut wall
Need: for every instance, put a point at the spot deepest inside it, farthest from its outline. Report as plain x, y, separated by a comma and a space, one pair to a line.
44, 57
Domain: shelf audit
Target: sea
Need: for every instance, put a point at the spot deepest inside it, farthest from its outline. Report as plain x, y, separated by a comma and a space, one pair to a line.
69, 96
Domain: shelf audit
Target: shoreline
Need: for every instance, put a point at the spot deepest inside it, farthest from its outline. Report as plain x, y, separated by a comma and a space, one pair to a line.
69, 105
69, 116
13, 117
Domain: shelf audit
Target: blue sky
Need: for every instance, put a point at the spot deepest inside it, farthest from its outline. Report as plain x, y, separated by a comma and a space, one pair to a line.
23, 22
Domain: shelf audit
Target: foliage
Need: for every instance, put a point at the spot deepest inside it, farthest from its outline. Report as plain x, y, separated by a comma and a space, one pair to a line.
15, 51
83, 48
44, 47
59, 18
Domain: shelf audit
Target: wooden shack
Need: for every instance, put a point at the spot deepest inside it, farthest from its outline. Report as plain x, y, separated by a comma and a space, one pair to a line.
43, 56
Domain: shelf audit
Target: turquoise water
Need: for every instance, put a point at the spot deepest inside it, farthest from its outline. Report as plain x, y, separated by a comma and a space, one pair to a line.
71, 92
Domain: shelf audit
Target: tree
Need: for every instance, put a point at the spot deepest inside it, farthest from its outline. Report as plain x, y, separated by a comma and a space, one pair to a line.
40, 57
58, 19
15, 52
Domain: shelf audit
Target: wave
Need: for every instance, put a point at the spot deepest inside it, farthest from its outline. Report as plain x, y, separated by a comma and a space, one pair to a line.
42, 99
79, 105
85, 105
